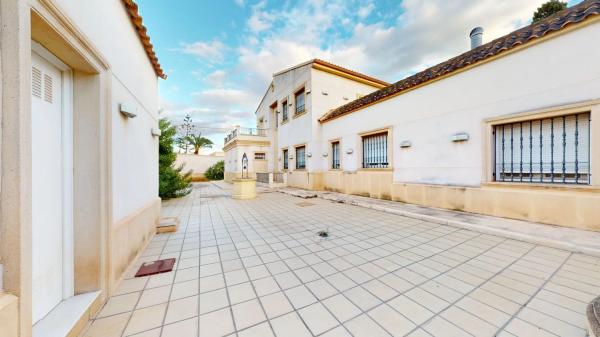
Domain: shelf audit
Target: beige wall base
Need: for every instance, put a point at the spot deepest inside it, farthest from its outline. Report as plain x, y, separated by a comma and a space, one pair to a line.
128, 237
84, 320
244, 189
374, 184
568, 207
9, 315
306, 180
576, 207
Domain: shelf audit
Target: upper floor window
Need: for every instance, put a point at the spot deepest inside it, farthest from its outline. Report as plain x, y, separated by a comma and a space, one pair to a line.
374, 150
285, 159
335, 155
300, 98
259, 156
300, 157
546, 150
284, 111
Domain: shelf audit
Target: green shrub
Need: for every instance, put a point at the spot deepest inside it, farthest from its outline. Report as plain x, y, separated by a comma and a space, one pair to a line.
172, 182
216, 172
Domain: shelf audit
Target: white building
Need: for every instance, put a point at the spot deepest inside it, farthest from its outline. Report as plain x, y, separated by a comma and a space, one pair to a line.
506, 129
287, 120
79, 184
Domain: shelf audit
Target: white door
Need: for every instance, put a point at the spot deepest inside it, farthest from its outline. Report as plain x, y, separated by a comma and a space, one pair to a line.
47, 185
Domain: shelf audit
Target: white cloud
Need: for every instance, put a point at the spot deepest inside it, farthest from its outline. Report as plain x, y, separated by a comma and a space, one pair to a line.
260, 20
217, 78
240, 3
421, 34
428, 32
212, 51
364, 11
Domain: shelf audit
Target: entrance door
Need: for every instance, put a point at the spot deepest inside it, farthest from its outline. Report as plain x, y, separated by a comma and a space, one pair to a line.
47, 186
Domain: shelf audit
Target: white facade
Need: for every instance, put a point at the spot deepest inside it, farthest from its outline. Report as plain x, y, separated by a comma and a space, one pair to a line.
430, 140
79, 197
542, 76
324, 89
133, 83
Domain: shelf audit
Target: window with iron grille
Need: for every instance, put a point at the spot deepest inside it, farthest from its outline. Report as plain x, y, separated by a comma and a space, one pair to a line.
300, 96
285, 159
260, 156
284, 111
548, 150
374, 151
300, 160
335, 155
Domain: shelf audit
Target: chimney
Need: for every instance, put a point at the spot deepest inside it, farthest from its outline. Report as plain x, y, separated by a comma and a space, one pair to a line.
476, 36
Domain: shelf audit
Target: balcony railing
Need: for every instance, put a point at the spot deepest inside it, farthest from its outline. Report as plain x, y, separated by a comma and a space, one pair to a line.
245, 132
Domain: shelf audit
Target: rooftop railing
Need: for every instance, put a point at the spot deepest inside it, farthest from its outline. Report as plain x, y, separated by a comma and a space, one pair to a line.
245, 132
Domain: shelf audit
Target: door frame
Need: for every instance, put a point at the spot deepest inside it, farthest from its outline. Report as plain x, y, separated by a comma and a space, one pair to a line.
68, 258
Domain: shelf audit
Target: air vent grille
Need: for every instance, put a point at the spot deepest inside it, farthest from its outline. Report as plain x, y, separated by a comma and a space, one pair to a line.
48, 88
36, 82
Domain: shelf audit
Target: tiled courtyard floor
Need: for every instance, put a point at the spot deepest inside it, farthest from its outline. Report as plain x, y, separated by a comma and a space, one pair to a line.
257, 268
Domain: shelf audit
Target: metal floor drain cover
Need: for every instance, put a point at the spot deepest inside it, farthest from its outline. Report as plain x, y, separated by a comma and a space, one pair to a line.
155, 267
305, 204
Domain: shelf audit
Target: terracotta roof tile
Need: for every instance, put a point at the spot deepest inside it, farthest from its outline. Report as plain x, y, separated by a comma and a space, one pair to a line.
522, 36
136, 20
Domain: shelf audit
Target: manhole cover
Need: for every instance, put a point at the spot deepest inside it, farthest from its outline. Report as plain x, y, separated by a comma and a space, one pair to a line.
305, 204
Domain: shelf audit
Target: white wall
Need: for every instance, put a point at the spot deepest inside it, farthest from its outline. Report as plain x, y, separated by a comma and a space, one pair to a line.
306, 129
198, 164
134, 151
555, 72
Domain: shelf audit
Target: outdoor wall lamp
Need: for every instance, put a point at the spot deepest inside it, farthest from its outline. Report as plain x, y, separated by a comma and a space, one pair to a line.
291, 157
155, 132
325, 154
405, 144
127, 110
460, 137
349, 151
324, 93
309, 154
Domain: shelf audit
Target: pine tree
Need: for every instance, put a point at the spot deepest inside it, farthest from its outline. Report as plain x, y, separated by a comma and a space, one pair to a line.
172, 182
547, 9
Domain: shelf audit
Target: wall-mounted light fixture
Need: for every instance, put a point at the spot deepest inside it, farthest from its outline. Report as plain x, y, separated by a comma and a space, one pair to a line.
460, 137
325, 154
405, 144
155, 132
291, 157
345, 98
127, 110
309, 154
324, 93
349, 151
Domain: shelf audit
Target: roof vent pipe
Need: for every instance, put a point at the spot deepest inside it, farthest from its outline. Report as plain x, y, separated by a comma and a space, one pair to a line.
476, 36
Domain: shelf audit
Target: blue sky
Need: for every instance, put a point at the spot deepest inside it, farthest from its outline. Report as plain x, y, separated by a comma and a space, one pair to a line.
219, 55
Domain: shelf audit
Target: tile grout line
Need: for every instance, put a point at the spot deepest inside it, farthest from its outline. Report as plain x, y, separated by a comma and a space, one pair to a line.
503, 327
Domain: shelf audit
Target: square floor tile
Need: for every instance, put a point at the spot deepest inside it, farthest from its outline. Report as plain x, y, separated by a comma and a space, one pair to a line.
300, 297
317, 318
145, 319
187, 328
290, 325
241, 292
341, 307
247, 314
213, 300
182, 309
276, 304
216, 324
